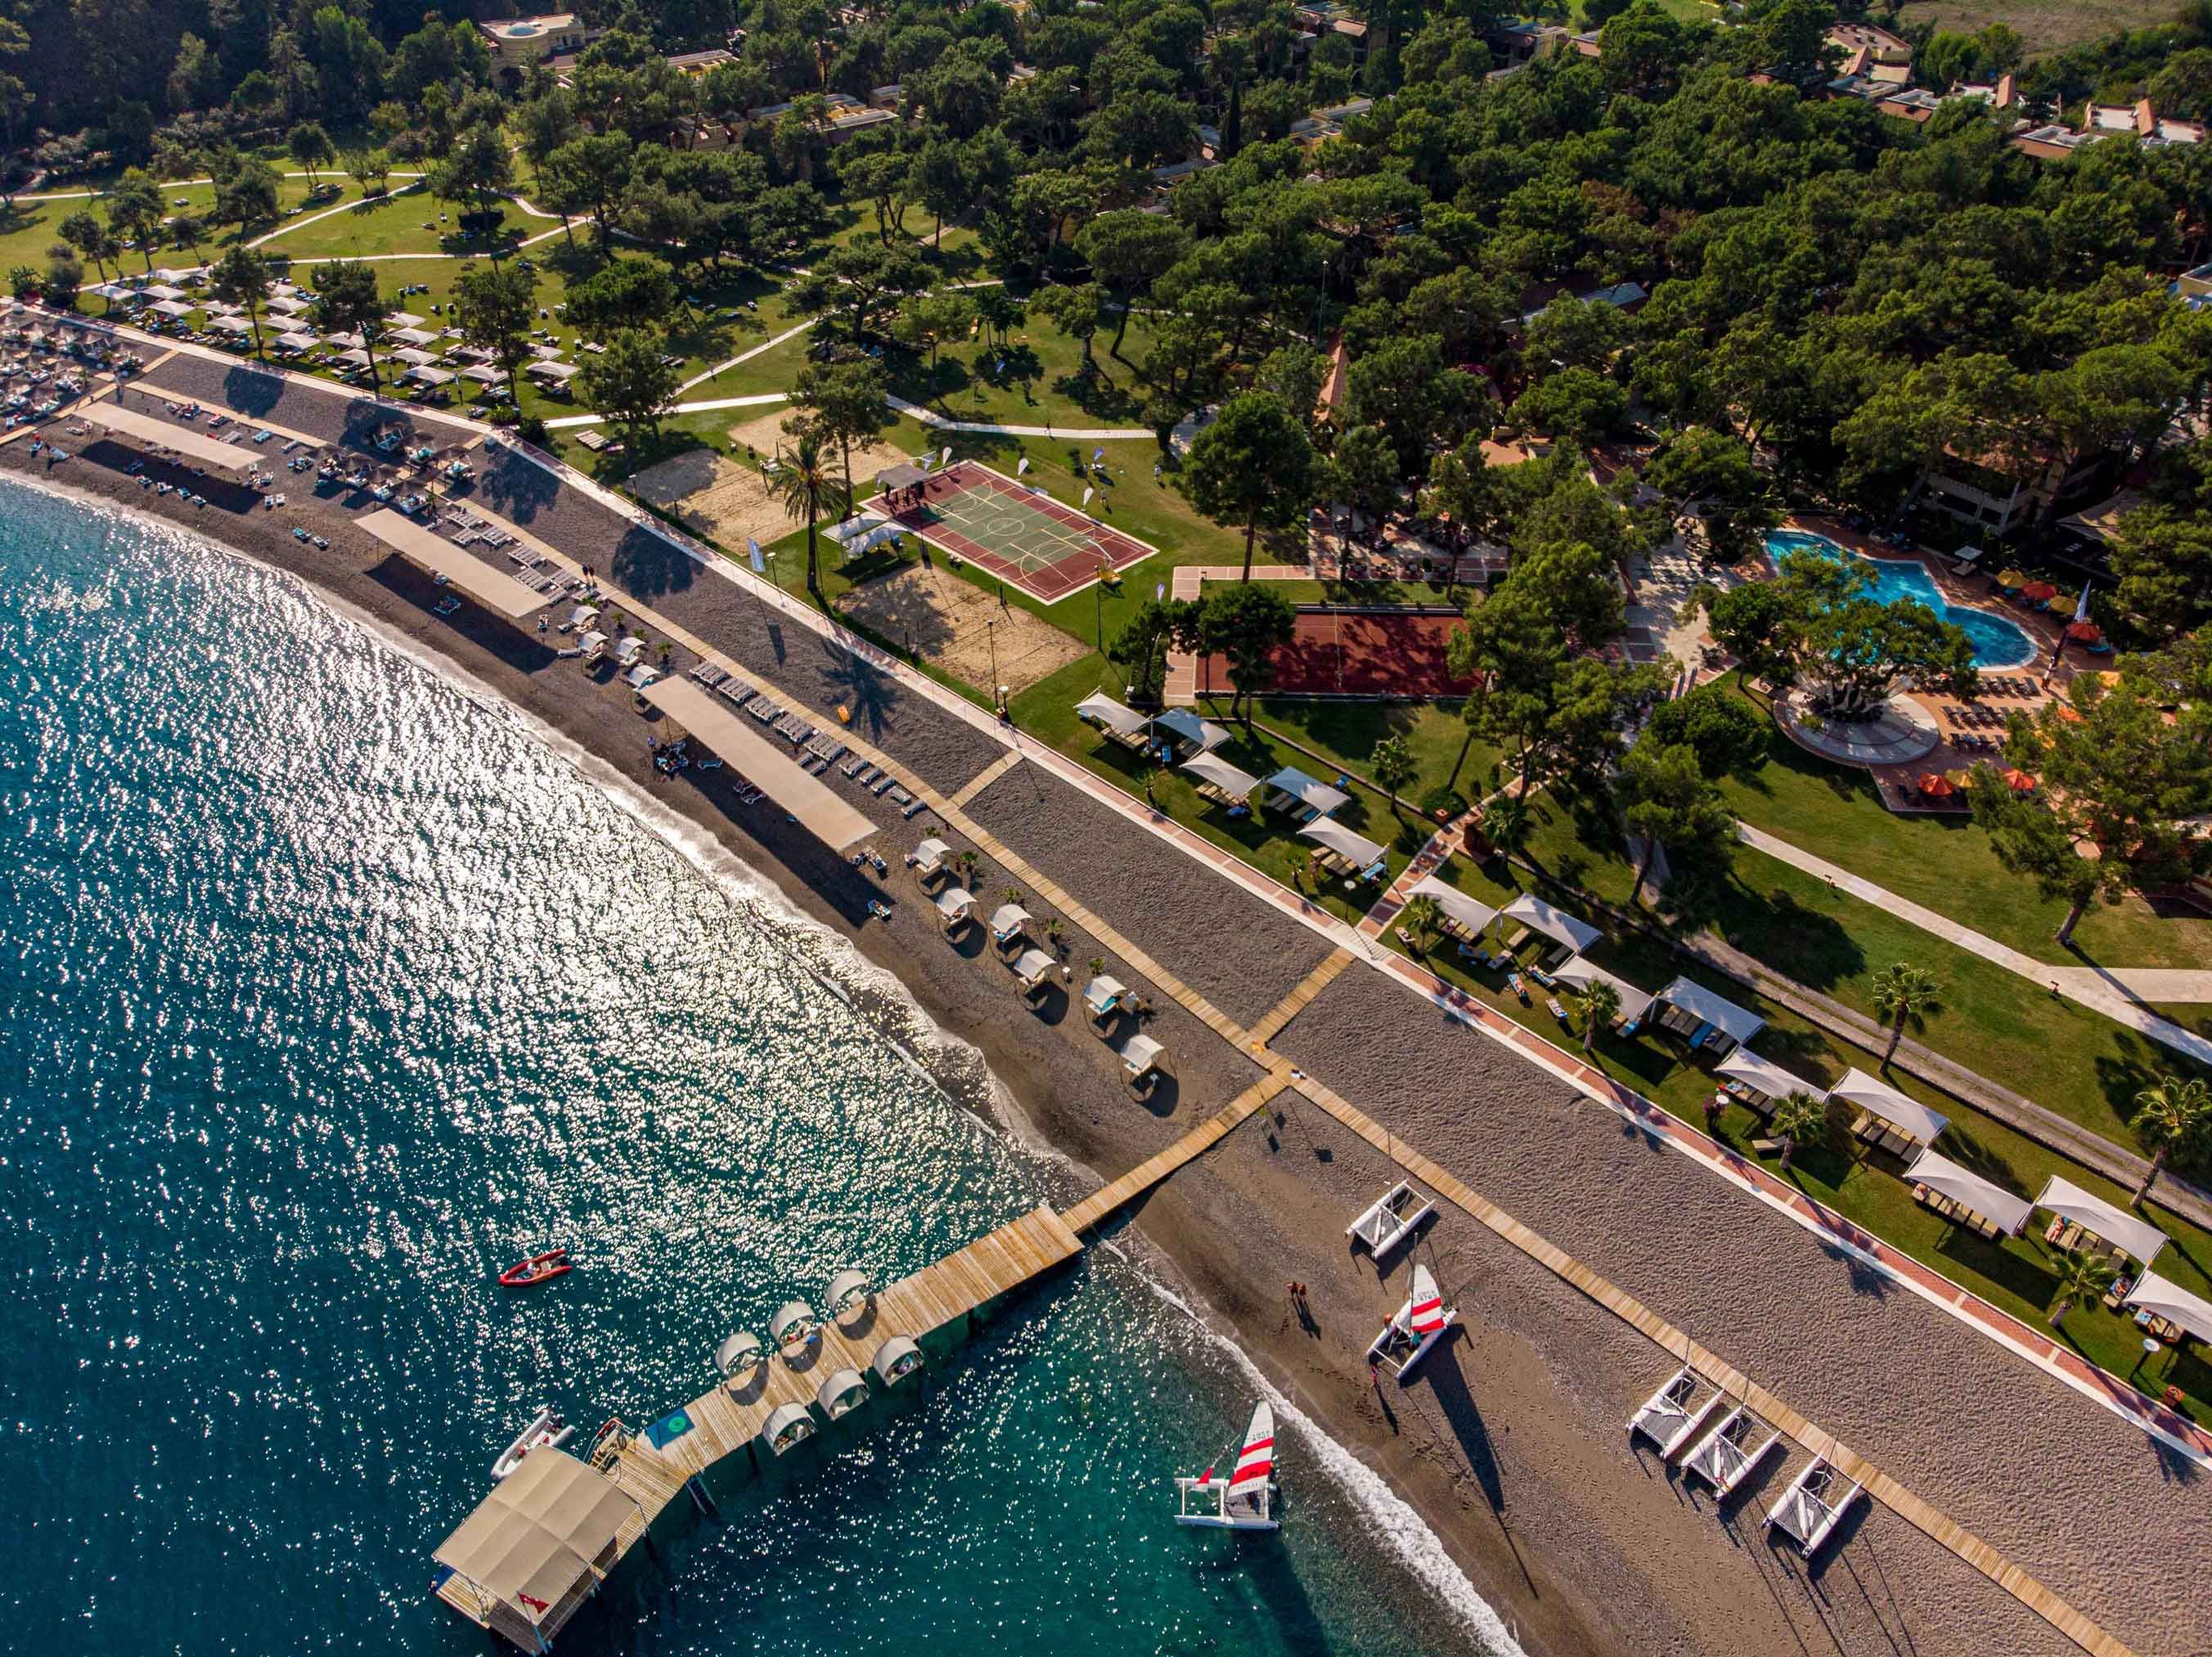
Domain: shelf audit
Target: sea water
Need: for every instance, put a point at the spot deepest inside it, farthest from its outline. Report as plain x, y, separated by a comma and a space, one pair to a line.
331, 989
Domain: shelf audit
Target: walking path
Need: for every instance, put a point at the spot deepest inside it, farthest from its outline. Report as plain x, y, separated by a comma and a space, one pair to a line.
1086, 433
2092, 987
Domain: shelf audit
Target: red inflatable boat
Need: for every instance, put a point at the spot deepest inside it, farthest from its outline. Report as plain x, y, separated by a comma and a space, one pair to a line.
541, 1269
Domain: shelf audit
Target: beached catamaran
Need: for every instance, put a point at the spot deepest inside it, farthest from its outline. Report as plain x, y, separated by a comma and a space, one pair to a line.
1244, 1500
1415, 1327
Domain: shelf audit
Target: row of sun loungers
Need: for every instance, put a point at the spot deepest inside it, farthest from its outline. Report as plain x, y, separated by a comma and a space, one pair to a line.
818, 750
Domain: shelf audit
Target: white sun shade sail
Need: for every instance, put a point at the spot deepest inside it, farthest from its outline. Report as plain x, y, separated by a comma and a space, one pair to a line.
1538, 916
1223, 774
2137, 1237
1188, 727
1940, 1174
1715, 1010
1308, 790
1908, 1116
1454, 903
858, 524
2173, 1303
1338, 838
1765, 1075
1102, 709
1580, 974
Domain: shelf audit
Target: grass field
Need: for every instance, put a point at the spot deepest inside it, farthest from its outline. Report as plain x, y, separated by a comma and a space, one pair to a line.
36, 225
407, 221
2043, 25
1036, 380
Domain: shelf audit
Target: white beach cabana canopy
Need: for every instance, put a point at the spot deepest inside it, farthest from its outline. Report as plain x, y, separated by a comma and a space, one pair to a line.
1768, 1077
2138, 1238
231, 323
1102, 710
1223, 774
1580, 974
1454, 903
171, 307
1538, 916
298, 341
1908, 1116
955, 904
1338, 838
1188, 727
1033, 967
412, 356
422, 374
1141, 1053
1713, 1009
931, 856
1008, 919
2173, 1303
858, 524
552, 370
1102, 994
1940, 1174
1308, 790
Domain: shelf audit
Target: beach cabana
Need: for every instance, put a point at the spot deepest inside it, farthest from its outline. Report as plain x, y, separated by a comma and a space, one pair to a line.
1764, 1078
2157, 1301
1009, 923
1140, 1056
1886, 1117
557, 373
850, 1294
1120, 724
1220, 781
290, 304
2085, 1221
298, 341
740, 1358
1464, 916
414, 357
1310, 797
1705, 1018
955, 907
786, 1426
1942, 1185
175, 310
482, 373
355, 358
422, 374
1579, 974
1575, 935
1356, 850
841, 1394
1033, 970
895, 1360
1196, 734
930, 858
793, 1328
237, 325
414, 337
1103, 996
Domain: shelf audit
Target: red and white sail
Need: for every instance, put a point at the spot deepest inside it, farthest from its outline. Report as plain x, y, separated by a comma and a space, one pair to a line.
1425, 1311
1255, 1462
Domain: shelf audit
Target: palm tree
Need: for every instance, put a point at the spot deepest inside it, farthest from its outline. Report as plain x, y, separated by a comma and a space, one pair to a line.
1419, 919
1904, 994
2081, 1277
967, 862
2175, 1111
1507, 822
1800, 1117
802, 484
1600, 1005
1394, 766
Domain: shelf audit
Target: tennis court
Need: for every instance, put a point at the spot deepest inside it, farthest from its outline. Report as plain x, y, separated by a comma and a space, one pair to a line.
1358, 653
1019, 534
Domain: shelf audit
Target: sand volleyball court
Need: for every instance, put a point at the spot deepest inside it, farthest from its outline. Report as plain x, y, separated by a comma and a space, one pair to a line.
926, 609
728, 500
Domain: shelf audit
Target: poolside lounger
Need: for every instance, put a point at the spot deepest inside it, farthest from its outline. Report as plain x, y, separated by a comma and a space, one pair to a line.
1813, 1506
898, 795
852, 766
1671, 1417
1731, 1452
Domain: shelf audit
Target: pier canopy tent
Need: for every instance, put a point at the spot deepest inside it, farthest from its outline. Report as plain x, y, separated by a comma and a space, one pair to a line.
1103, 996
1455, 903
711, 721
494, 589
1211, 768
896, 1359
1765, 1077
542, 1534
787, 1424
2191, 1314
740, 1358
850, 1292
1704, 1016
1033, 967
2136, 1238
1970, 1191
1310, 792
1102, 710
1908, 1116
1580, 974
1342, 841
842, 1393
1140, 1054
1186, 727
930, 856
1538, 916
145, 429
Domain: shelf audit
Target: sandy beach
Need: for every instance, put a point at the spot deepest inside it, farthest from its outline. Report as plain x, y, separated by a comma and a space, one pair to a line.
1510, 1445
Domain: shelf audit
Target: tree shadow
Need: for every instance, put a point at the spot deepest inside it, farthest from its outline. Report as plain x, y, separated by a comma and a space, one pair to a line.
251, 392
1098, 395
650, 566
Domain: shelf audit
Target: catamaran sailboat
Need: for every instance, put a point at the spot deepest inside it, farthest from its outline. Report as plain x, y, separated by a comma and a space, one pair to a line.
1244, 1500
1416, 1327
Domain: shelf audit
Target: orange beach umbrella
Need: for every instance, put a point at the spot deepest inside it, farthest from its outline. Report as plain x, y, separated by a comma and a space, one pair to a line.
2037, 591
2020, 781
2085, 632
2012, 577
1936, 786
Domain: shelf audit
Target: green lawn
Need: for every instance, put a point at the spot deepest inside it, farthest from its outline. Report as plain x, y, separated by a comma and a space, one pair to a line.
35, 225
409, 220
1345, 734
1945, 863
1035, 379
2016, 1274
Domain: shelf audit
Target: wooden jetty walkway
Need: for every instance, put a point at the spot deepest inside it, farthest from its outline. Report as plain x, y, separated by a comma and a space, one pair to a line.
535, 1549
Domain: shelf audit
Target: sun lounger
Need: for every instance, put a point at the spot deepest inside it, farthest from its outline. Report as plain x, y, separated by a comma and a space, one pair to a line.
1558, 1011
1671, 1417
1813, 1506
852, 765
880, 783
1390, 1220
914, 806
898, 795
1731, 1452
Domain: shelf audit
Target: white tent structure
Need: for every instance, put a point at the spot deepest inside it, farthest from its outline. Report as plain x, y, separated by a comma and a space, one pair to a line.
1309, 791
1763, 1075
1908, 1116
1140, 1055
1103, 996
415, 336
1008, 922
1342, 841
1102, 710
1034, 968
1239, 784
858, 524
1970, 1191
2192, 1313
2135, 1237
1703, 1015
172, 308
1187, 726
423, 375
231, 323
931, 857
298, 341
955, 907
1580, 974
1454, 904
1538, 916
559, 372
414, 357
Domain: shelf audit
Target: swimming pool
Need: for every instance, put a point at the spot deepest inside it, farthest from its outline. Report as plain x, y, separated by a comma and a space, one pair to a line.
1998, 641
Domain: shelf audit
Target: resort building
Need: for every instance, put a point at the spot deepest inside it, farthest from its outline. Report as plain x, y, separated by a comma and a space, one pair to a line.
2008, 484
517, 44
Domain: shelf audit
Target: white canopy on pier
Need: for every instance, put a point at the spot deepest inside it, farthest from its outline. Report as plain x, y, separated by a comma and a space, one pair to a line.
2173, 1303
1102, 709
1908, 1116
2139, 1238
1768, 1077
1538, 916
1940, 1174
539, 1533
1465, 911
1338, 838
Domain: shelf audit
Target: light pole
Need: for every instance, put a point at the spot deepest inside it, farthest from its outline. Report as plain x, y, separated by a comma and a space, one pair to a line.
990, 636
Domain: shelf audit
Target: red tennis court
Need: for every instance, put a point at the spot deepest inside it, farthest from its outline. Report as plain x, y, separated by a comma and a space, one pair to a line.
1021, 535
1358, 653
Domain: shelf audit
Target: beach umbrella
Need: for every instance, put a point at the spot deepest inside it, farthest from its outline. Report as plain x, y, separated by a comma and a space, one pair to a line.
2013, 577
1087, 494
1935, 786
2020, 782
2070, 714
2039, 592
2087, 632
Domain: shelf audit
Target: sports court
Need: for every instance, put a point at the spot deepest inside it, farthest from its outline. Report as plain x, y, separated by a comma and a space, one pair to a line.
1017, 534
1366, 652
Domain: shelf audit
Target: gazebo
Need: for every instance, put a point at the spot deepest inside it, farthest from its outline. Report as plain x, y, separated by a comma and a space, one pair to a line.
841, 1394
955, 907
1195, 736
1010, 925
1308, 797
2085, 1221
850, 1294
786, 1426
1141, 1057
1960, 1195
1221, 782
895, 1360
1464, 917
2156, 1302
793, 1329
1102, 997
1354, 852
1572, 934
1887, 1118
538, 1545
740, 1359
1705, 1018
1761, 1084
1033, 970
931, 859
1577, 973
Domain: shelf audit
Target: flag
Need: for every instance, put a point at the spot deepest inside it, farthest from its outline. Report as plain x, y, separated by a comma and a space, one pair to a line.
1087, 494
760, 565
1206, 1477
2081, 608
533, 1603
1023, 467
945, 457
1159, 592
1098, 454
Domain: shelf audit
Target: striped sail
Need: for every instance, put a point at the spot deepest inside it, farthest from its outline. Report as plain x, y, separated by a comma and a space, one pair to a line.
1424, 1313
1255, 1462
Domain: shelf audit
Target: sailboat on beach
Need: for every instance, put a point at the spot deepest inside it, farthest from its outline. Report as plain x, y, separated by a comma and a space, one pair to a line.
1245, 1500
1418, 1324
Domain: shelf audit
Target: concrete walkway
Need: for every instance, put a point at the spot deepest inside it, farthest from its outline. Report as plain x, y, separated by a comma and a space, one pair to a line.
2101, 991
1085, 433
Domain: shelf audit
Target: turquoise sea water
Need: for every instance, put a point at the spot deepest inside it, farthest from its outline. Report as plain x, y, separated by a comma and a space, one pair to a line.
330, 990
1998, 641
